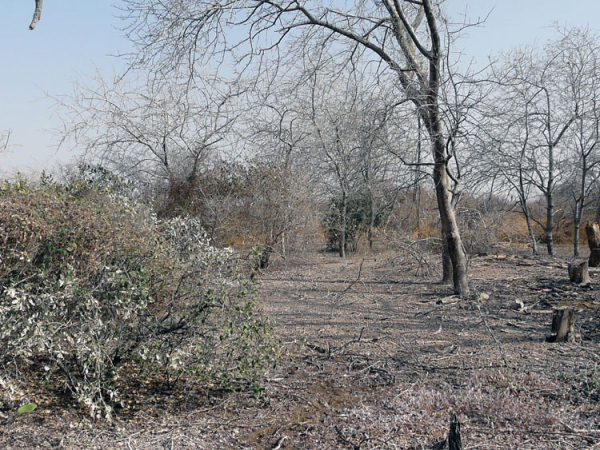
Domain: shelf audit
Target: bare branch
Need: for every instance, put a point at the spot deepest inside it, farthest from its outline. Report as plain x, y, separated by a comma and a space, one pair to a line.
37, 14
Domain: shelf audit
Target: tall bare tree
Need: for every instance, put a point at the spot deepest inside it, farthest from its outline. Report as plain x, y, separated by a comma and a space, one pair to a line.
404, 36
334, 138
535, 82
503, 155
579, 61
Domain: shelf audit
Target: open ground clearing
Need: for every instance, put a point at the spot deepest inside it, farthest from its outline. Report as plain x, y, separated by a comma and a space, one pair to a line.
378, 356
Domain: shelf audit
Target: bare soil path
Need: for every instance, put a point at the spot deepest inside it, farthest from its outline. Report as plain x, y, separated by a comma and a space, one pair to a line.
378, 356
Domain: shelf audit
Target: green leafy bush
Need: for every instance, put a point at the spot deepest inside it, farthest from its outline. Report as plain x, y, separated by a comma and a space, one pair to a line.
95, 289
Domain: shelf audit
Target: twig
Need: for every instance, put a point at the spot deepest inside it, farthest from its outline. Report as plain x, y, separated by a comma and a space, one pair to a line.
352, 283
277, 445
353, 341
498, 343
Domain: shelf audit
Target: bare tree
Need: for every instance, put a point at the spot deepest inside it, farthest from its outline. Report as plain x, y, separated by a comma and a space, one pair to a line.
535, 83
502, 155
335, 139
379, 169
580, 60
403, 36
147, 130
278, 133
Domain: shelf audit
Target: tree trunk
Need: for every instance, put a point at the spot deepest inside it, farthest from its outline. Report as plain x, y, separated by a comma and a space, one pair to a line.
456, 262
417, 191
577, 228
550, 202
417, 201
531, 232
430, 113
579, 207
528, 221
372, 215
550, 222
447, 272
523, 196
343, 212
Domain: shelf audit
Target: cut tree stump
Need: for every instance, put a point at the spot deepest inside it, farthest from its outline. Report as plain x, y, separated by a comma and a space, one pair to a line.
579, 273
592, 231
563, 325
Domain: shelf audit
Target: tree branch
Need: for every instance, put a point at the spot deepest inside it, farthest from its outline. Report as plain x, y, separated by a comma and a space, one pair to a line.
37, 14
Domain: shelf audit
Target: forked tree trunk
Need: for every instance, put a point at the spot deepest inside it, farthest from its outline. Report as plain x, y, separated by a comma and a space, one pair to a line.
455, 262
430, 114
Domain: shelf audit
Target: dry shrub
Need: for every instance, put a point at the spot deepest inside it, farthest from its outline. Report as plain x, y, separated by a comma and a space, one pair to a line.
415, 217
259, 205
94, 285
512, 228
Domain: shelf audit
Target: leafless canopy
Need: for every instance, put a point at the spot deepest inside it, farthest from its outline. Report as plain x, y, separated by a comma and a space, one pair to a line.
402, 36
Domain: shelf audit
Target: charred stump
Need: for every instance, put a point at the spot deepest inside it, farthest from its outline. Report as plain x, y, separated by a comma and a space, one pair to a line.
563, 325
454, 440
262, 256
579, 273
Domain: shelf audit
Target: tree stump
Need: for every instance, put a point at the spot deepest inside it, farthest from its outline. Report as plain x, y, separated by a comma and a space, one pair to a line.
563, 325
592, 231
595, 257
579, 273
454, 440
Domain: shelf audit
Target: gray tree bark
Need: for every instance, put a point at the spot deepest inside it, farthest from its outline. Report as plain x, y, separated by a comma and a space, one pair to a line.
452, 242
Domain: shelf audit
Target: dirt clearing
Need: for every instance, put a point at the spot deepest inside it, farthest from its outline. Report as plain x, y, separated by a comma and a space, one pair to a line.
378, 356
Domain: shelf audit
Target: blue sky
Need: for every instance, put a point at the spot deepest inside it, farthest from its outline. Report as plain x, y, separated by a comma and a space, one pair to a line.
76, 37
73, 37
515, 22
